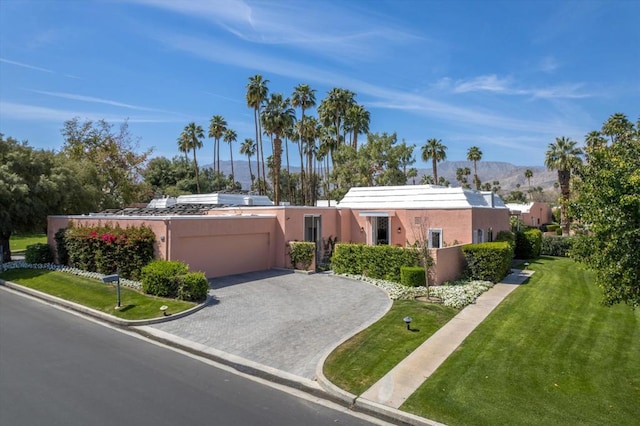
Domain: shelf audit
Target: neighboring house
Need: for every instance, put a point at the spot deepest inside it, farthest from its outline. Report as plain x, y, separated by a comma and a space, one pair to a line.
531, 214
224, 234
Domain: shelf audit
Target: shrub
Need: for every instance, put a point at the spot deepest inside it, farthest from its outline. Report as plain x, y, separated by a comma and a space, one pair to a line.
487, 261
61, 246
507, 236
553, 227
162, 277
302, 253
528, 244
553, 245
412, 276
193, 287
39, 253
382, 262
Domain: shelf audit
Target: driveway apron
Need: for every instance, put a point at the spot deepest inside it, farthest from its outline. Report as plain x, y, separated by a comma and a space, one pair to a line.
281, 319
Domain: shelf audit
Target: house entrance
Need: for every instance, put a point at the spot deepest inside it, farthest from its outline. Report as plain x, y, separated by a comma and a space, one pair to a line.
313, 233
380, 227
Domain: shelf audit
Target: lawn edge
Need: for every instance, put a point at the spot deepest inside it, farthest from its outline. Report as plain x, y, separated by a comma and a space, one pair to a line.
101, 315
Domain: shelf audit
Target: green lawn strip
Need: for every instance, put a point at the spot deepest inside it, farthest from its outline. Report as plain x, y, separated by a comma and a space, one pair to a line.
549, 354
95, 294
18, 243
364, 359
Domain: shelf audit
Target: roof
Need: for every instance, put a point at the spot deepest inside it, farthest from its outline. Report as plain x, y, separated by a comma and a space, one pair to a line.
419, 197
212, 200
519, 208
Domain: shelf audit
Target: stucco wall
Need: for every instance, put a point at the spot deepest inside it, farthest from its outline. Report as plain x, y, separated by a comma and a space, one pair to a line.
449, 264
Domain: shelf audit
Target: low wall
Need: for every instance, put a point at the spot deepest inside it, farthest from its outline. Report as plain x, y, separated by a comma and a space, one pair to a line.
449, 264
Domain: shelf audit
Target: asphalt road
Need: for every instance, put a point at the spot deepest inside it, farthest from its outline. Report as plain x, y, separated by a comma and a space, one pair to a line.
60, 369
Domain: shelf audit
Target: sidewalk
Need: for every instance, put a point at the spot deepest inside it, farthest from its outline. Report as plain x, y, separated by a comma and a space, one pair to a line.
404, 379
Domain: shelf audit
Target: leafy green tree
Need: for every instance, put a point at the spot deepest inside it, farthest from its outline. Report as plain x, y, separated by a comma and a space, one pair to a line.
565, 157
435, 151
607, 204
113, 155
35, 184
474, 154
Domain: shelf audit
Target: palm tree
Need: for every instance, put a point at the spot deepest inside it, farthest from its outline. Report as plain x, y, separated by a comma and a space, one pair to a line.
333, 110
256, 94
563, 156
436, 151
356, 122
474, 154
277, 116
528, 174
230, 136
193, 135
217, 127
303, 97
183, 146
248, 148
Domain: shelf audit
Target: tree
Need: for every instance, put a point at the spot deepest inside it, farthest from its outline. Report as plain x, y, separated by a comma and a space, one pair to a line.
257, 92
248, 148
230, 136
35, 184
607, 204
565, 157
435, 151
461, 176
193, 133
277, 116
112, 154
332, 112
474, 154
356, 122
217, 129
528, 174
303, 97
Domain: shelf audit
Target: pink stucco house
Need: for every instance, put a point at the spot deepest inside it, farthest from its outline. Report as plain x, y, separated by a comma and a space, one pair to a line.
531, 214
224, 234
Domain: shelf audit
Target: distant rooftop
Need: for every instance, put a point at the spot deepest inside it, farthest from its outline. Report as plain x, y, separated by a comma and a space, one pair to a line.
419, 197
520, 208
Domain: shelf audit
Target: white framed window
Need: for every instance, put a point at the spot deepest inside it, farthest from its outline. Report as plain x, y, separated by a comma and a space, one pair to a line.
435, 237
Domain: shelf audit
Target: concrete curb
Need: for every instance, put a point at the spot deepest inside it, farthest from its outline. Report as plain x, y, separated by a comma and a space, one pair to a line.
101, 315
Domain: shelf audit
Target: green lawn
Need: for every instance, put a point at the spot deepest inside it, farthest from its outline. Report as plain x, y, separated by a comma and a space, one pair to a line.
19, 243
549, 354
364, 359
95, 294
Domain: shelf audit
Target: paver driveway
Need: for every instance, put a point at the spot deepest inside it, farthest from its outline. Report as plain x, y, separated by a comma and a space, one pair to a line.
282, 319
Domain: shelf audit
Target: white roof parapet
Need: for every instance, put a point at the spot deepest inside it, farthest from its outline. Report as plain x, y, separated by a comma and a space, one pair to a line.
519, 208
225, 199
418, 197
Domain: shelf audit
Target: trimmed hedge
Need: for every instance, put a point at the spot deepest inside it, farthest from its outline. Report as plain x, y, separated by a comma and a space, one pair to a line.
553, 245
412, 276
528, 244
381, 262
61, 246
38, 253
507, 236
106, 249
488, 261
172, 279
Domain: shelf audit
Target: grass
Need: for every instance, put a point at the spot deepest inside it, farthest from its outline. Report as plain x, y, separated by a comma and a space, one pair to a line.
19, 242
95, 294
549, 354
364, 359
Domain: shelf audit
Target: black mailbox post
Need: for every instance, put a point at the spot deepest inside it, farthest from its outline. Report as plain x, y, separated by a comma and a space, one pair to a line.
114, 278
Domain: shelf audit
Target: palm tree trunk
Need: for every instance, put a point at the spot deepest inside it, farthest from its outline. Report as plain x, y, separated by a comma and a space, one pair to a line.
232, 171
255, 120
195, 165
434, 162
564, 176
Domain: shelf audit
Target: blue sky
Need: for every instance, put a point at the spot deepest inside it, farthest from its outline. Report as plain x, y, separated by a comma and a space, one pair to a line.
506, 76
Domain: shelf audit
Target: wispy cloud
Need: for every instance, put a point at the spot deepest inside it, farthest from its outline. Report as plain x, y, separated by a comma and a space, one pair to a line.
20, 111
548, 64
91, 99
506, 86
20, 64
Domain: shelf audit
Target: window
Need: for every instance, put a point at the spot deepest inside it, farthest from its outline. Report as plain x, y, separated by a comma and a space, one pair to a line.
478, 236
435, 238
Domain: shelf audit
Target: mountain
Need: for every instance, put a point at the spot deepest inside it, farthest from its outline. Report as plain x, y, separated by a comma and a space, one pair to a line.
507, 174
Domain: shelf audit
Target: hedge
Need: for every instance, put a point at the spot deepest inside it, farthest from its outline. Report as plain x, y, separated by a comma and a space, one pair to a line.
553, 245
413, 276
161, 277
38, 253
381, 262
528, 244
488, 261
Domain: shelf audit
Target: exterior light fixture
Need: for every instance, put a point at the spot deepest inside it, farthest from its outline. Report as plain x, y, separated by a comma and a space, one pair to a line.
164, 308
362, 229
399, 229
407, 320
162, 238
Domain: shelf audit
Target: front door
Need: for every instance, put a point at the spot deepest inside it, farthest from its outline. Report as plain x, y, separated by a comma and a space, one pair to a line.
380, 227
313, 233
